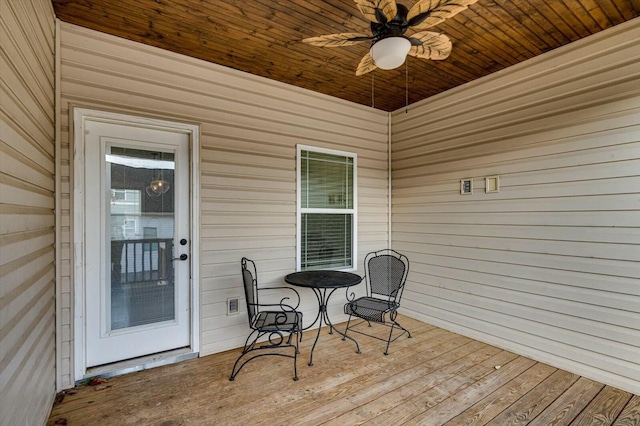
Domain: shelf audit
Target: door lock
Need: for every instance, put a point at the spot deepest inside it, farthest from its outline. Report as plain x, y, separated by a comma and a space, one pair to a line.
183, 256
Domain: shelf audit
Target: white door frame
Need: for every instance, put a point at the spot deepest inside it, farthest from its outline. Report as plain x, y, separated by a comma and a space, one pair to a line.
80, 117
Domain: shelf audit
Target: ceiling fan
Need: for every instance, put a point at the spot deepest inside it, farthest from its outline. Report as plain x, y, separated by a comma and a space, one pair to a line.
389, 22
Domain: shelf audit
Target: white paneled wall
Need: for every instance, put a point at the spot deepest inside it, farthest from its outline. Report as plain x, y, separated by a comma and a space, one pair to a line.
27, 221
249, 130
549, 266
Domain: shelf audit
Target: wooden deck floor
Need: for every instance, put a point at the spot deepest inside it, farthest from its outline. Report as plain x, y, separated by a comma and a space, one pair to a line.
435, 378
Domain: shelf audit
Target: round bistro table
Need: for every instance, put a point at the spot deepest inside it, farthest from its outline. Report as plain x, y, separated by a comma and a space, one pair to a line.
324, 284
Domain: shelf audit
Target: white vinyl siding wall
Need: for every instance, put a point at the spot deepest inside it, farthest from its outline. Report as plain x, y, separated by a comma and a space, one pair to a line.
27, 220
548, 267
250, 127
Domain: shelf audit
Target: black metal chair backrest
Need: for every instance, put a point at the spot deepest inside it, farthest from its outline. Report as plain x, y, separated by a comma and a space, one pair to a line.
249, 277
387, 272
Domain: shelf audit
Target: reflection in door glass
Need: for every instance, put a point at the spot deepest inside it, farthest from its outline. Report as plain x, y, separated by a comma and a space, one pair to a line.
140, 221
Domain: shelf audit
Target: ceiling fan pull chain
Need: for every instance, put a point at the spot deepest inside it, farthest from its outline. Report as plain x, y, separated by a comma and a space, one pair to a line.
406, 86
373, 94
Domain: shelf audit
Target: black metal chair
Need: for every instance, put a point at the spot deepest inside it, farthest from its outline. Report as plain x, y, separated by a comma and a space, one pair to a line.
385, 276
273, 325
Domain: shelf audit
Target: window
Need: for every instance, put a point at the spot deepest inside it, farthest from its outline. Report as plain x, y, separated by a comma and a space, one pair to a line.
327, 224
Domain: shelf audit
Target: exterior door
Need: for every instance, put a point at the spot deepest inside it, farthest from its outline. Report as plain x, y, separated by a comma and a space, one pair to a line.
137, 248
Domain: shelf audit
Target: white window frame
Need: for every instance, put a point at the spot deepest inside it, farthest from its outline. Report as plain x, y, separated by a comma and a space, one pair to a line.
353, 211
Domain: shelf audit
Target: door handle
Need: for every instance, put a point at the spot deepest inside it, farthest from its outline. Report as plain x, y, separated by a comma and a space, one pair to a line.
183, 256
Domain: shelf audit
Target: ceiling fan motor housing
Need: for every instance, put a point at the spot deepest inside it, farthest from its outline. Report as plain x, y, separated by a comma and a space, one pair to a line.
393, 28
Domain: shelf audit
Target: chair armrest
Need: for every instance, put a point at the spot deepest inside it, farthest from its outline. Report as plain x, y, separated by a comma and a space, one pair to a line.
350, 294
284, 299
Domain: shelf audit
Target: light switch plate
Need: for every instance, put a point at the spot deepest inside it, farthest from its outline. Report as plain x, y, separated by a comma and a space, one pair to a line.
466, 186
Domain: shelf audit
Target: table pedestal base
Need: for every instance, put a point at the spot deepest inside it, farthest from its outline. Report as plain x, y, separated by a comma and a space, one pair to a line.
323, 298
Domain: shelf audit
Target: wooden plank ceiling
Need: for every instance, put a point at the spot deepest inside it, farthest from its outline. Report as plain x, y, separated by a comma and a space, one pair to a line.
263, 37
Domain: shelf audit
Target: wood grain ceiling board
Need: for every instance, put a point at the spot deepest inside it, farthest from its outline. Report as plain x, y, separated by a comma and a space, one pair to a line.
263, 37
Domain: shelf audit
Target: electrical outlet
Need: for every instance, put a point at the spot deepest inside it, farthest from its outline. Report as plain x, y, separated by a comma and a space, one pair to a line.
233, 306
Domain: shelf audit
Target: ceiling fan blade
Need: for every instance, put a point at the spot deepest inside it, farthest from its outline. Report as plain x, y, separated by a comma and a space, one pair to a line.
428, 13
366, 65
430, 45
337, 40
381, 11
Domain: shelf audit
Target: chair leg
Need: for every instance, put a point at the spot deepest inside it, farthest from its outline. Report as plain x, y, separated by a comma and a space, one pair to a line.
404, 330
344, 336
295, 363
248, 347
298, 335
298, 340
235, 372
386, 351
409, 336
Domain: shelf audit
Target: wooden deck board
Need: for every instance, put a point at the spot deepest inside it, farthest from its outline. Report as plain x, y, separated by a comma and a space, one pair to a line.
630, 416
435, 378
462, 359
534, 402
415, 405
604, 408
393, 380
569, 405
495, 403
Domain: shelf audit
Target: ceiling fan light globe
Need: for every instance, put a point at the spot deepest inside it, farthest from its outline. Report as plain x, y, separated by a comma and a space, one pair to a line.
151, 193
159, 186
390, 52
163, 186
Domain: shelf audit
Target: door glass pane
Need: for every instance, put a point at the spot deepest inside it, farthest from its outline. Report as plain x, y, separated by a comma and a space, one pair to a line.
140, 227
